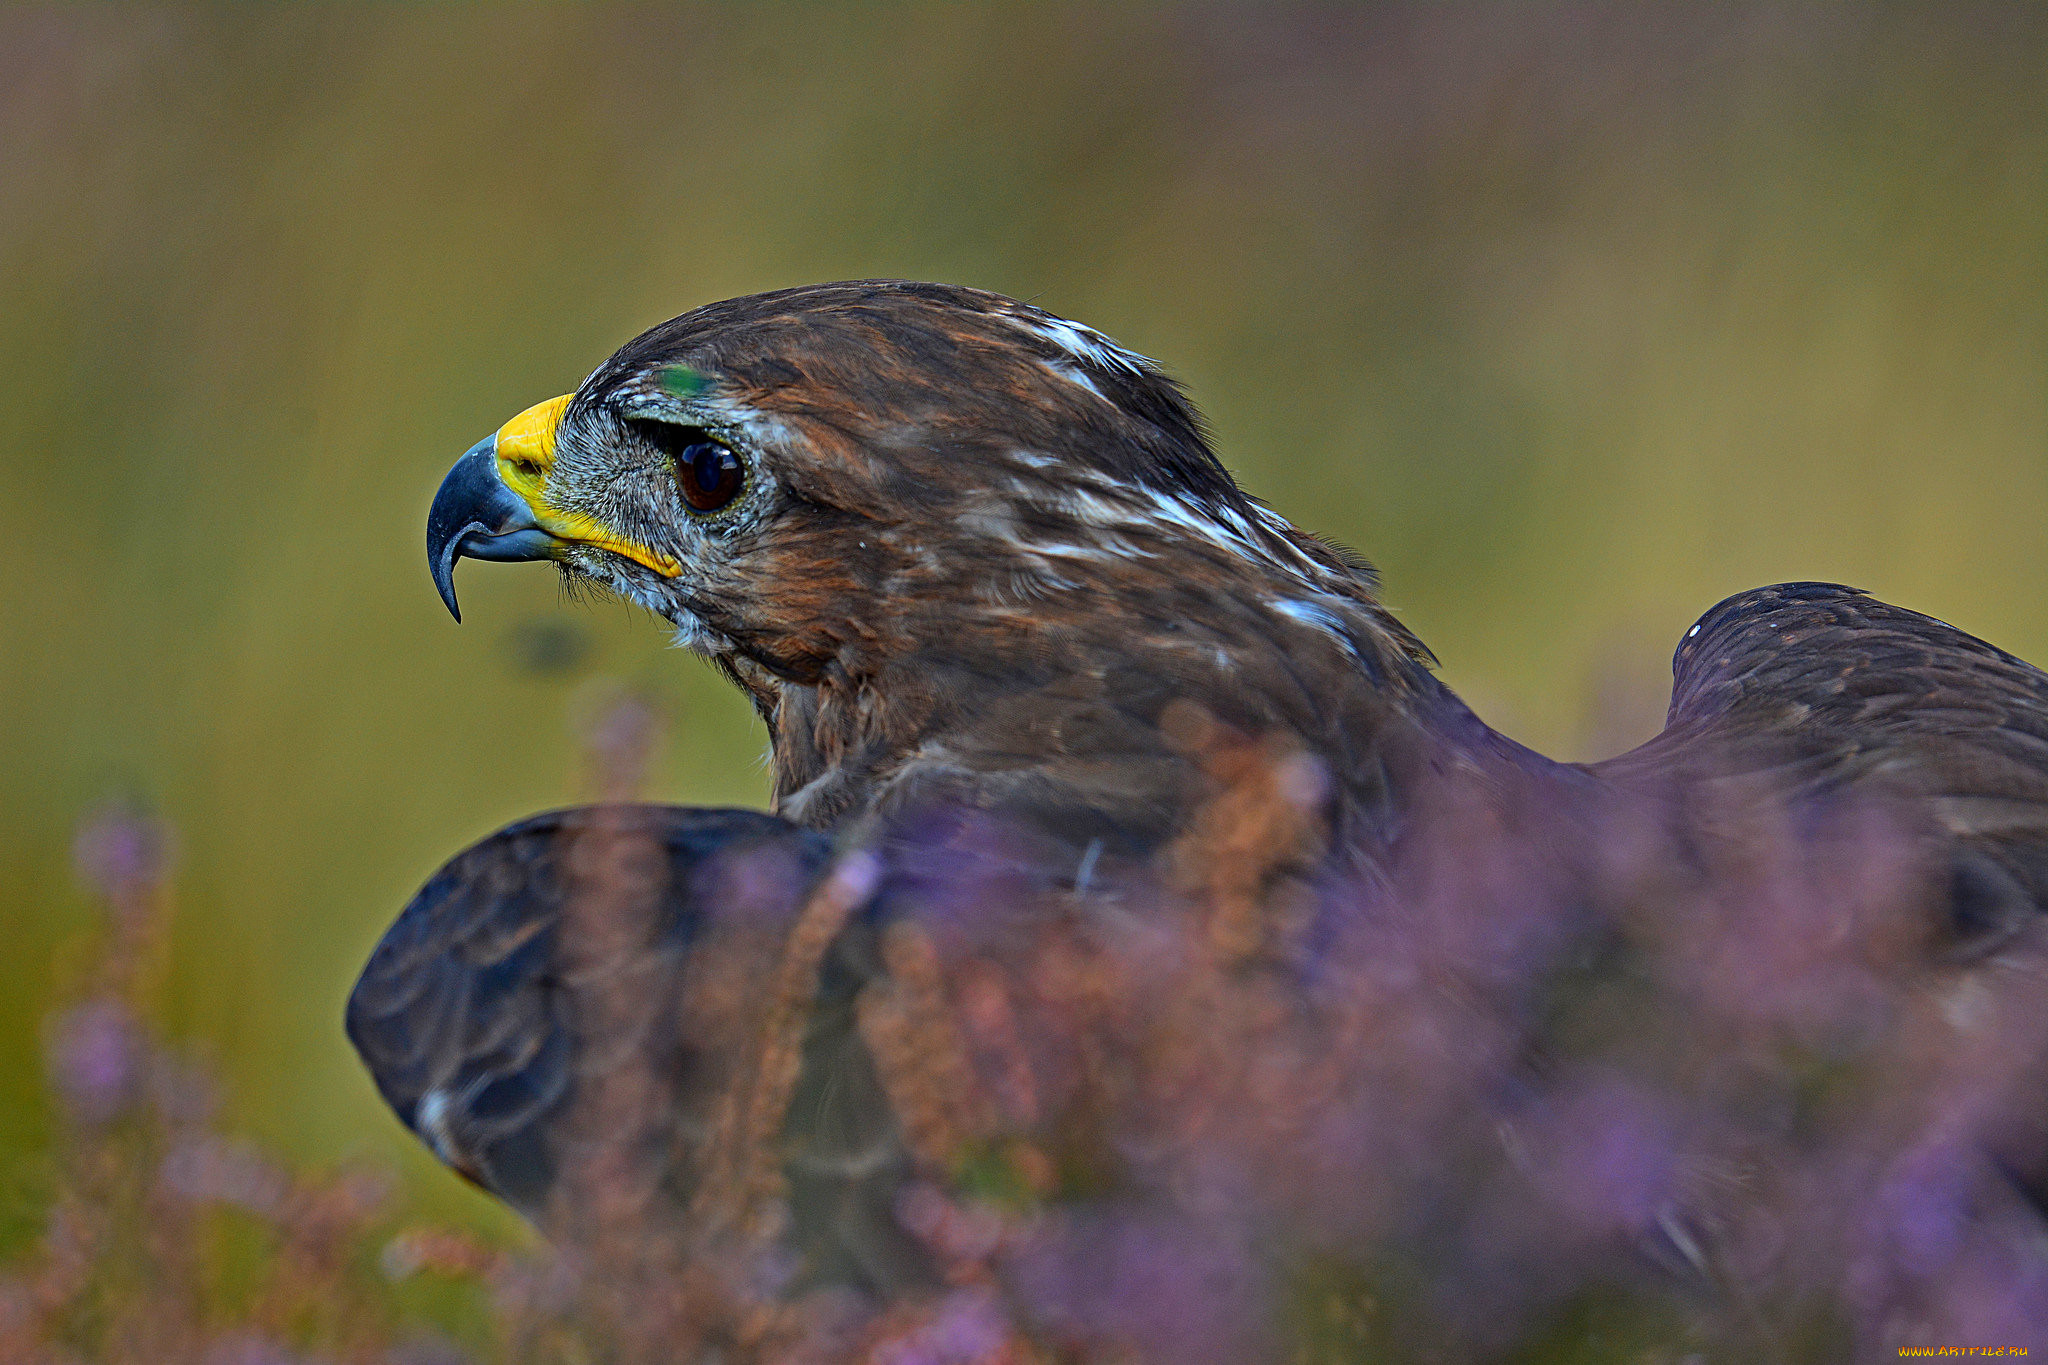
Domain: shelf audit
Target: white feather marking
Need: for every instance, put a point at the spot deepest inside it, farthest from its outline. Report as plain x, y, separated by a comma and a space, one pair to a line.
1321, 618
1225, 527
1075, 375
1084, 344
1312, 614
1109, 547
430, 1116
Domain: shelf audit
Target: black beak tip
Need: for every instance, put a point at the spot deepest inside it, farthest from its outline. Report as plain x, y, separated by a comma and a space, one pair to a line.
443, 566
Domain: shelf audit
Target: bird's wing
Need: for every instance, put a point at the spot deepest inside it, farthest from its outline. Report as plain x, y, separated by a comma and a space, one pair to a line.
460, 1014
487, 1010
1830, 689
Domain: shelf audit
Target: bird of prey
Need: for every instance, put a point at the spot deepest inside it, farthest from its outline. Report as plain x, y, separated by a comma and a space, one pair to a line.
955, 550
970, 560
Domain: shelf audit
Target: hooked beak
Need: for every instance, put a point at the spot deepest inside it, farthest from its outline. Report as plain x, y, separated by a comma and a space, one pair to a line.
478, 515
494, 505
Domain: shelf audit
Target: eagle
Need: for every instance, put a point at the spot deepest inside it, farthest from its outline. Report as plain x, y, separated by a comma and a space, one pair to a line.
1018, 638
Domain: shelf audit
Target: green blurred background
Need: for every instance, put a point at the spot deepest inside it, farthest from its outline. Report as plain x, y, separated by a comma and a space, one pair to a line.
1574, 320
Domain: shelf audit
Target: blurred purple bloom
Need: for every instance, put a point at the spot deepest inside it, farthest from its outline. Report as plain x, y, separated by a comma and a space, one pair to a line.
221, 1171
1923, 1208
968, 1327
1608, 1155
1176, 1289
95, 1057
119, 851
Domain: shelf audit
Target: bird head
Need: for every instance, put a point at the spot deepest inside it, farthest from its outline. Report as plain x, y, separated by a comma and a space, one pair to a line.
784, 476
909, 501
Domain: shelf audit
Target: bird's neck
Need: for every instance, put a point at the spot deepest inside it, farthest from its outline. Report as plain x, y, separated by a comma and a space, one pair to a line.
1062, 700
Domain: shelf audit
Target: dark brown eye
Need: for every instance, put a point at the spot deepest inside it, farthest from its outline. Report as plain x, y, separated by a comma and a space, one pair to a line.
710, 475
707, 471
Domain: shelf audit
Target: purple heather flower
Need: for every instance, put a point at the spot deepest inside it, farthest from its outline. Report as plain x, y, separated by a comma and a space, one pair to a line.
118, 851
967, 1327
95, 1056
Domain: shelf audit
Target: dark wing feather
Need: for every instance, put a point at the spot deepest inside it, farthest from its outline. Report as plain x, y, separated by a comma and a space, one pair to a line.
1832, 689
472, 1035
460, 1016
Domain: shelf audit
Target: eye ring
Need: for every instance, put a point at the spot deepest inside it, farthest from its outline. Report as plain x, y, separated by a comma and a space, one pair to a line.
709, 474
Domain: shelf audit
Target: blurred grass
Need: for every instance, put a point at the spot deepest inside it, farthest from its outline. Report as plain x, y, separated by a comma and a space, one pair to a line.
1574, 320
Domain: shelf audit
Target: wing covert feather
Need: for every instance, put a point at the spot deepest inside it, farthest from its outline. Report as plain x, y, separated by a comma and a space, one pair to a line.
1831, 690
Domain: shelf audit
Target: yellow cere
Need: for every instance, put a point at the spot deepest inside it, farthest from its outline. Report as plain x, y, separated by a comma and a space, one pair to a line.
525, 448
